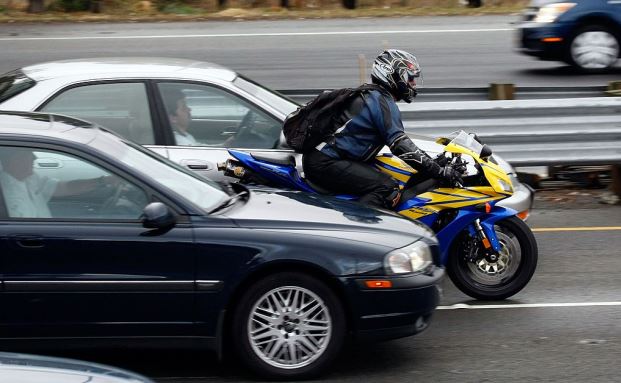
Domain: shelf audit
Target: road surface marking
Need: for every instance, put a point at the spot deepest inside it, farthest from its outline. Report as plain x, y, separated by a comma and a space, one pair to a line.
460, 306
586, 228
218, 35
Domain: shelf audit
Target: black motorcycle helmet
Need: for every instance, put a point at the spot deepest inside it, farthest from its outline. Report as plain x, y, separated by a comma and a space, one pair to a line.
397, 71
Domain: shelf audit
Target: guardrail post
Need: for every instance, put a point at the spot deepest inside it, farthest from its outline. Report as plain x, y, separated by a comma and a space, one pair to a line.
362, 62
615, 172
501, 91
612, 196
614, 88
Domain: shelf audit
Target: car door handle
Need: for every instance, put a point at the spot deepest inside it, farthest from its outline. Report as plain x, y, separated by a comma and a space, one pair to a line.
28, 241
197, 164
46, 163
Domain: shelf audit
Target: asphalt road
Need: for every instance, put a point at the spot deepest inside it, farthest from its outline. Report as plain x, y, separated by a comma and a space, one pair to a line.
454, 51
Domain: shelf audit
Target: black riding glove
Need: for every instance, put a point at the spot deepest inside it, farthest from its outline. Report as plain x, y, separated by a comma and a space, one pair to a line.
460, 166
405, 149
451, 175
441, 160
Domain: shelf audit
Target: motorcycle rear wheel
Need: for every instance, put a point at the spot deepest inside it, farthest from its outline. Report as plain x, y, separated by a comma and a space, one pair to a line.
499, 280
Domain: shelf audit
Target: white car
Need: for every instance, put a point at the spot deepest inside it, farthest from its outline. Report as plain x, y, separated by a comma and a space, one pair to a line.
25, 368
124, 95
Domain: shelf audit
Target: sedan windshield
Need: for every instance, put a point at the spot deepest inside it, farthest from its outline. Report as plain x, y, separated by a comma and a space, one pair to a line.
202, 192
277, 100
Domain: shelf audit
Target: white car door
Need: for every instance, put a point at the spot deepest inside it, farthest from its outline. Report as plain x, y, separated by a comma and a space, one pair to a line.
219, 120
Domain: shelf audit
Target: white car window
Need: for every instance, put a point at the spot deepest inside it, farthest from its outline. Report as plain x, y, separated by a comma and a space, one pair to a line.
202, 115
46, 184
120, 107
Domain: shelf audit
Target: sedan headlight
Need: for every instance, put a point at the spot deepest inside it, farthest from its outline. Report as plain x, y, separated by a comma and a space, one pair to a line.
549, 13
410, 259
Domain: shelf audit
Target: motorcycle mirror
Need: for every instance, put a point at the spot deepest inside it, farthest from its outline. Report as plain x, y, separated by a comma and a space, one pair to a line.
476, 138
486, 152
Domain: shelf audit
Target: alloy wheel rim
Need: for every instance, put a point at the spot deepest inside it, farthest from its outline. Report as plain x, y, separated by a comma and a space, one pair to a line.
289, 327
595, 50
509, 257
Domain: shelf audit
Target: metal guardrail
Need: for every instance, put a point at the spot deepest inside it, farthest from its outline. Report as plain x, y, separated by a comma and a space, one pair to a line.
580, 131
473, 94
542, 126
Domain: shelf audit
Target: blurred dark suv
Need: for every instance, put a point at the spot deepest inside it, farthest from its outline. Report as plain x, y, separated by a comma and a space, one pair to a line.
582, 33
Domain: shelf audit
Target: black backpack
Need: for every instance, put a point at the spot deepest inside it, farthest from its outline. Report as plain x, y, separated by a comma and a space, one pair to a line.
312, 123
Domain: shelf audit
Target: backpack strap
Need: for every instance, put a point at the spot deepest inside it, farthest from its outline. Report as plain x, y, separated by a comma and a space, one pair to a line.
361, 91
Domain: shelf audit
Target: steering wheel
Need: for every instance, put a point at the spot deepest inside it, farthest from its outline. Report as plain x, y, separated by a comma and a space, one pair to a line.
114, 199
244, 130
247, 122
124, 203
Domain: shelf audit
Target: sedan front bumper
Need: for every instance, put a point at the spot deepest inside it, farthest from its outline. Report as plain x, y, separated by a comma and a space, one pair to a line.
545, 41
400, 311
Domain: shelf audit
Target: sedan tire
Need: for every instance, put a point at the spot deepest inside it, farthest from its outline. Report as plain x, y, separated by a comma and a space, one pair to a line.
288, 326
593, 49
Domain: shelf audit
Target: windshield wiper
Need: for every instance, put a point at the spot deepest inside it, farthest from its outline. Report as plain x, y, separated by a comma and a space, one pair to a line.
230, 201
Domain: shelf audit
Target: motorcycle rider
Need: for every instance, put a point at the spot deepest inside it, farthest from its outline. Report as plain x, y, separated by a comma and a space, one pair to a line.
343, 162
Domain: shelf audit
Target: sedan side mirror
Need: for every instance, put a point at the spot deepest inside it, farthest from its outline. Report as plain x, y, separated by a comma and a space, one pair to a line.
486, 152
156, 215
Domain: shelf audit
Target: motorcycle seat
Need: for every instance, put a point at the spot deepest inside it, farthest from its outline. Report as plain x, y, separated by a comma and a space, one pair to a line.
318, 188
276, 158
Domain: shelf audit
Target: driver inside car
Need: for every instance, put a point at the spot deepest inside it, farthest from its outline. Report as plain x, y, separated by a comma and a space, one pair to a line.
26, 193
180, 116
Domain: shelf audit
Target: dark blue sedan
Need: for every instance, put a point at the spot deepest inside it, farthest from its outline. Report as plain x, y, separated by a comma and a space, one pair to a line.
103, 241
583, 33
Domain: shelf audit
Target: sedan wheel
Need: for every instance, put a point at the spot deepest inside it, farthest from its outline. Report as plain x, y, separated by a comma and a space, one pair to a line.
289, 325
594, 49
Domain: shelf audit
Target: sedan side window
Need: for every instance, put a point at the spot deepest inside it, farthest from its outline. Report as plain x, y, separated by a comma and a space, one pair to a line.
48, 184
208, 116
120, 107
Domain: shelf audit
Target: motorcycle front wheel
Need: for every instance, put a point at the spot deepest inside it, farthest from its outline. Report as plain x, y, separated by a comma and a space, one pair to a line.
482, 279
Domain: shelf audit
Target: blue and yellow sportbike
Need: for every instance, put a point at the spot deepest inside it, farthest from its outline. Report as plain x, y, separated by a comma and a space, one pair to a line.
489, 252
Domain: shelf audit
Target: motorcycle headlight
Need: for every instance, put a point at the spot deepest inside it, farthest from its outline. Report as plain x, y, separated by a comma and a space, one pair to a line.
410, 259
549, 13
506, 187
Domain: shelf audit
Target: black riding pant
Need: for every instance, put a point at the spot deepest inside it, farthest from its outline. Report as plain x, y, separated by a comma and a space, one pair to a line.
351, 177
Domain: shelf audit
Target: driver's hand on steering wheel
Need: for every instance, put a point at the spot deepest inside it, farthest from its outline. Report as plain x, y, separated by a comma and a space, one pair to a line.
108, 181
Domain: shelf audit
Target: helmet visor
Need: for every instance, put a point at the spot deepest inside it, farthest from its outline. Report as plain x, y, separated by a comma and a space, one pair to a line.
415, 80
414, 74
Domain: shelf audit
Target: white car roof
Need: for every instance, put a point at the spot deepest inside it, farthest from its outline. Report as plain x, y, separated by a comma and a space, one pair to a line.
124, 67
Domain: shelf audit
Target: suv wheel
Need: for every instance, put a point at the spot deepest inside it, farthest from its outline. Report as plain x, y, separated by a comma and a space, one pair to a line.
288, 326
594, 49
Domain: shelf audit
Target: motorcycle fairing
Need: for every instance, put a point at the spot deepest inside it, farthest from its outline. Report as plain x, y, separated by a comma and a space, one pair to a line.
493, 172
284, 175
432, 202
495, 176
395, 167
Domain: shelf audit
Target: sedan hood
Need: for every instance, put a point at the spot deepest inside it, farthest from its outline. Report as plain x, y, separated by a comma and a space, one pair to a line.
325, 216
